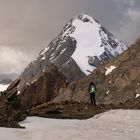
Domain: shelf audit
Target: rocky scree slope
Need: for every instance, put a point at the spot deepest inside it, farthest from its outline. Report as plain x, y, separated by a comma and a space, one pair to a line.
118, 86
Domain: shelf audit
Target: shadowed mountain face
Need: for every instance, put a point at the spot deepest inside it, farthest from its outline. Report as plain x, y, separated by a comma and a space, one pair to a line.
44, 89
82, 46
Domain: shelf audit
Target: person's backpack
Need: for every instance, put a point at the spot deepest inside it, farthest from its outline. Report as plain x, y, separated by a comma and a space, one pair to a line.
92, 89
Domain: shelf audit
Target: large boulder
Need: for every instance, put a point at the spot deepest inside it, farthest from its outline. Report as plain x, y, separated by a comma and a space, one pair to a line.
44, 89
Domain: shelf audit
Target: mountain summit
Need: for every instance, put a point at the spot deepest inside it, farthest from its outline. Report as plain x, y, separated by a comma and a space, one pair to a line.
82, 45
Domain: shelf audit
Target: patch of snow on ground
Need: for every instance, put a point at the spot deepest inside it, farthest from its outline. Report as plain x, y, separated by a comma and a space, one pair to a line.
109, 69
3, 87
18, 92
108, 92
112, 125
88, 43
137, 95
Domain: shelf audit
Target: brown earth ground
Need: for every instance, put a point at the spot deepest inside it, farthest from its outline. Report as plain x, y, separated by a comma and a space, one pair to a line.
75, 110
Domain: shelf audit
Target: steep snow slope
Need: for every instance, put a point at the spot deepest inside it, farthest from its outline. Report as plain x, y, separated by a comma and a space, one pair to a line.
88, 42
82, 45
112, 125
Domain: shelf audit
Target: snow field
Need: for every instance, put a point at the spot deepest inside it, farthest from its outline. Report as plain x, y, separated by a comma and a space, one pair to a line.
109, 69
112, 125
88, 43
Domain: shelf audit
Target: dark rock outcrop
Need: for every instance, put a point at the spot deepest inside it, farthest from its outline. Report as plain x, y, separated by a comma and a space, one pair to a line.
44, 89
8, 115
10, 111
13, 84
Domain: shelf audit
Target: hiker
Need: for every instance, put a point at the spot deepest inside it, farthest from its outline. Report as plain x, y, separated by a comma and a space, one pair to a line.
92, 90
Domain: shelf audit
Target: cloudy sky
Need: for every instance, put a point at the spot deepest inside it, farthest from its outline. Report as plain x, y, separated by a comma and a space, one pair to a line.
27, 25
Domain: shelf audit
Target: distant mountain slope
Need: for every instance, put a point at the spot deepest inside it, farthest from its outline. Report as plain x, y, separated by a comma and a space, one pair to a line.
82, 45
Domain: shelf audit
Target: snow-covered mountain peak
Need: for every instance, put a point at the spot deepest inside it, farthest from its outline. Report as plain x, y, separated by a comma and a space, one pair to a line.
86, 18
94, 44
88, 40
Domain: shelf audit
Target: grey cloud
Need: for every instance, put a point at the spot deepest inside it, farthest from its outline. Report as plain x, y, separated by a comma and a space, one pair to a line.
12, 60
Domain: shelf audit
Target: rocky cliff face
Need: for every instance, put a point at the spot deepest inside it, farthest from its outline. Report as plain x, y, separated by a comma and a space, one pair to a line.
82, 45
10, 111
44, 89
